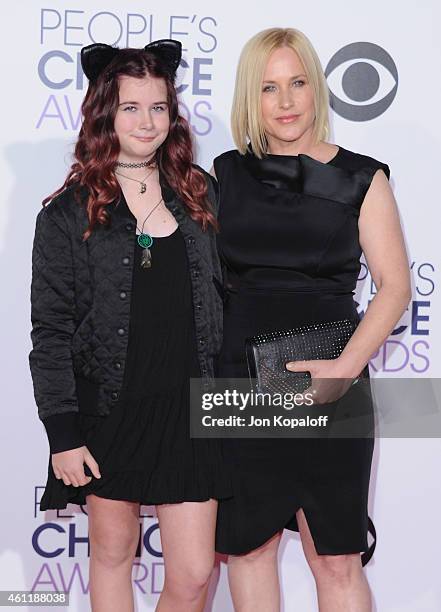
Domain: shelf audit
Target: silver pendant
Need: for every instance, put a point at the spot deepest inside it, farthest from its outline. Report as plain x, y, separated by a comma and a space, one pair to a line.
143, 188
146, 259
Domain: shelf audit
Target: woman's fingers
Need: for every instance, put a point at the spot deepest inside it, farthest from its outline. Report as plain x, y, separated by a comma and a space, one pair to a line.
65, 478
80, 479
76, 479
300, 366
92, 464
68, 466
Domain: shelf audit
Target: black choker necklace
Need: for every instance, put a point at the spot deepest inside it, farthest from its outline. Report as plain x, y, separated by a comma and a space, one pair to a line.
144, 164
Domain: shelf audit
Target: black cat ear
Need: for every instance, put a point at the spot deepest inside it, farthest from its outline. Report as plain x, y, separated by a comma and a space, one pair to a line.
95, 58
168, 51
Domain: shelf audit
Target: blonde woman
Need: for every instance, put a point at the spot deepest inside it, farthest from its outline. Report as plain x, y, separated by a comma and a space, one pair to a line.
296, 213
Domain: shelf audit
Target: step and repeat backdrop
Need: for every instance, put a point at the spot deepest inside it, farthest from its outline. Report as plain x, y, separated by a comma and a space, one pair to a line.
382, 62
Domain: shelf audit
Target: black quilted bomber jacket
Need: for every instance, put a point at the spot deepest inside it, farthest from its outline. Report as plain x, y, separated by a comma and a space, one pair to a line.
80, 300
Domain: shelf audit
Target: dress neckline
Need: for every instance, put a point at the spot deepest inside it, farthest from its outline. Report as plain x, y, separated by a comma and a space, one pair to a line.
287, 171
275, 156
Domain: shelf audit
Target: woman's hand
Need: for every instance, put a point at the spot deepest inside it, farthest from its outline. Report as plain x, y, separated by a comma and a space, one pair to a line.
69, 466
329, 381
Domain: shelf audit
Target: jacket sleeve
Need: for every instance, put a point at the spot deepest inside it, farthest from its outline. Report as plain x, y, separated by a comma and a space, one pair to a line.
53, 325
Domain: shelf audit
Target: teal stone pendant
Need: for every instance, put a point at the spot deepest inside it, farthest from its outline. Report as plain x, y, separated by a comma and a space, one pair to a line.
145, 241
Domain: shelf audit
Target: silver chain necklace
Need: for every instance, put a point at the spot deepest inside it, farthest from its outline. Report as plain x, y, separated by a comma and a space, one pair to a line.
142, 183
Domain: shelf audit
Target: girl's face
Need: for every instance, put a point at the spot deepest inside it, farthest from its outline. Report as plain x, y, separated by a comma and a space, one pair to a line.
142, 120
287, 100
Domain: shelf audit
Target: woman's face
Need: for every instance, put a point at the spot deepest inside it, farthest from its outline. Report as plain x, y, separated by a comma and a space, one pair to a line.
287, 100
142, 120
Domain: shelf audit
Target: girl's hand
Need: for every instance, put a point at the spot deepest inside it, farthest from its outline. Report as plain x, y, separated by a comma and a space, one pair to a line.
329, 382
69, 466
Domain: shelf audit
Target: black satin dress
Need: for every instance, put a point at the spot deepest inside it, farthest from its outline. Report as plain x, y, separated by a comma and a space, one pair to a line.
289, 240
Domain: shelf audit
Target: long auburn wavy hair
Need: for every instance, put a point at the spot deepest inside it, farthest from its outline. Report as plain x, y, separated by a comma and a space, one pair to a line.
97, 147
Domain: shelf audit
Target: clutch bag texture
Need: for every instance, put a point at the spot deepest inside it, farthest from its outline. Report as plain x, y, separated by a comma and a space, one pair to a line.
267, 354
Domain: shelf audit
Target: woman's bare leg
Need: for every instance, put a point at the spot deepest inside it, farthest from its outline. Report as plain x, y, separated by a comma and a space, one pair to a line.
113, 535
341, 583
254, 579
187, 536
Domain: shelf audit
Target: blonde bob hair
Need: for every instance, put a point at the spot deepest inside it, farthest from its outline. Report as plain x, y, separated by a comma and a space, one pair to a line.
246, 112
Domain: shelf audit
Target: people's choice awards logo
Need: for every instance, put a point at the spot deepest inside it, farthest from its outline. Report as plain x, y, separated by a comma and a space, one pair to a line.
363, 81
409, 347
62, 33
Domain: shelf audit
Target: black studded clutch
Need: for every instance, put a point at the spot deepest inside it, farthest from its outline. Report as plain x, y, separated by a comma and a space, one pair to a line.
267, 354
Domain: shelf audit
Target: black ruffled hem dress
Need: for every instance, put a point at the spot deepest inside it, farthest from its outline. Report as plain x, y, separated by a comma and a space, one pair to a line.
143, 447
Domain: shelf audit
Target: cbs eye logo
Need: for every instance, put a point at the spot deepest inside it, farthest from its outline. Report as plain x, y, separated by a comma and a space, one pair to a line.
363, 81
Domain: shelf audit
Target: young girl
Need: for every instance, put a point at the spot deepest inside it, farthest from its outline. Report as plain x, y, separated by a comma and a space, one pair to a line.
125, 310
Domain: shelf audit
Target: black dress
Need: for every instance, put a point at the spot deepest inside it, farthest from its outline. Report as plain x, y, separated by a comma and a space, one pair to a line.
289, 240
143, 447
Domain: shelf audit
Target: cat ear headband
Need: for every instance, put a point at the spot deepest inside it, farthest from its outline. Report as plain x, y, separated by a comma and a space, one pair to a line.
96, 57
